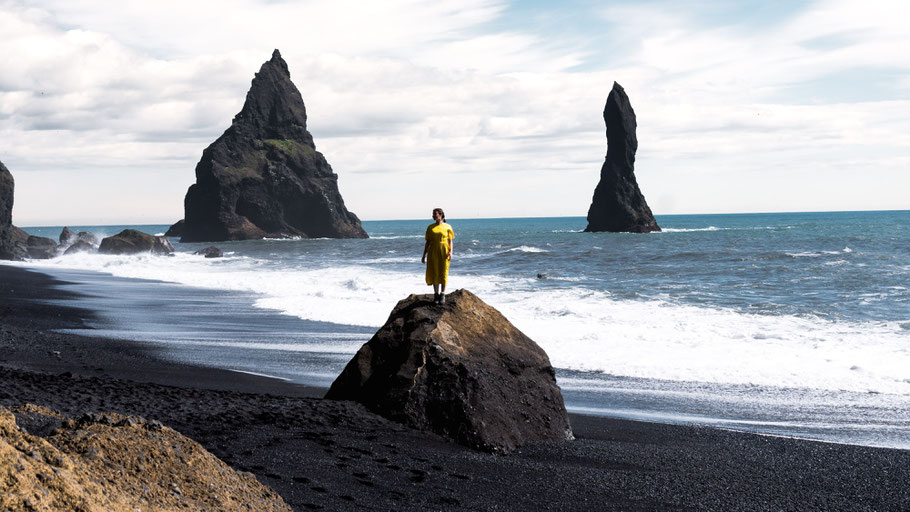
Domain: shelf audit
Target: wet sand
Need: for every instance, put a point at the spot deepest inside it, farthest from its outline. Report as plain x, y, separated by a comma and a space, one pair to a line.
325, 455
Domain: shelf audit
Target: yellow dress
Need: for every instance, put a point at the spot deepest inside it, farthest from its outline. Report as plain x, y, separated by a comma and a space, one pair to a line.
437, 262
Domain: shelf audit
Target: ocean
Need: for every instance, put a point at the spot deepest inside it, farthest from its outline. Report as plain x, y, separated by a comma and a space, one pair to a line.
792, 324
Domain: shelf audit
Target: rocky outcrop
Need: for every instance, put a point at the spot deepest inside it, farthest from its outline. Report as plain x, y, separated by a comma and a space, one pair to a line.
131, 241
618, 204
20, 243
8, 250
68, 237
115, 463
176, 230
41, 248
79, 242
80, 246
263, 177
459, 369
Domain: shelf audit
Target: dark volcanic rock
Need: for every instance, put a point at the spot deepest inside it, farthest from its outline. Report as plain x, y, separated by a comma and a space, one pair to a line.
89, 238
41, 248
618, 204
130, 241
263, 177
68, 237
8, 249
80, 246
460, 369
19, 236
176, 229
210, 252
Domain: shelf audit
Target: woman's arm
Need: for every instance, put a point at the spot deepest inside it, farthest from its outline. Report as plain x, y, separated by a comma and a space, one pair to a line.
449, 256
426, 248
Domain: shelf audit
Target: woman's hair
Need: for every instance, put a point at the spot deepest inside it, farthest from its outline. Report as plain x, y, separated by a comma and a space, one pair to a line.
441, 213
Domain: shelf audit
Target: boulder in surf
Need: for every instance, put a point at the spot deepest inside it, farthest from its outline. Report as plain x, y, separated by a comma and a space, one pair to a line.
461, 370
131, 241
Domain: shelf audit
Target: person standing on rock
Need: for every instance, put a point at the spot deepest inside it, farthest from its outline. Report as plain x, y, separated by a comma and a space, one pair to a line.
439, 249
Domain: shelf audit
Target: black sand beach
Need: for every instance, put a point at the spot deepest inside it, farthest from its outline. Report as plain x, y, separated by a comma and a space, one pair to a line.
324, 455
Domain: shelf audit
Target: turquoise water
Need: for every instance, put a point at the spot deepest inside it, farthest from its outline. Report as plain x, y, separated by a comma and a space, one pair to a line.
793, 324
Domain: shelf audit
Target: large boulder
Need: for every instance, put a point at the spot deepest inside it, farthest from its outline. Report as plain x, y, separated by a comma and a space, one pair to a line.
111, 462
20, 243
263, 177
19, 235
131, 241
82, 241
459, 369
618, 204
89, 238
80, 246
41, 248
68, 237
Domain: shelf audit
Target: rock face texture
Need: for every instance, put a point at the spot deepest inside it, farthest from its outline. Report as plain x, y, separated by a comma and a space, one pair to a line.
115, 463
68, 237
263, 177
130, 241
459, 369
618, 204
82, 241
176, 229
8, 250
41, 248
80, 246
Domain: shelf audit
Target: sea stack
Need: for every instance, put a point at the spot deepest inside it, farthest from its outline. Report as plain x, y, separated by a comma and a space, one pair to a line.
459, 369
618, 203
9, 250
263, 177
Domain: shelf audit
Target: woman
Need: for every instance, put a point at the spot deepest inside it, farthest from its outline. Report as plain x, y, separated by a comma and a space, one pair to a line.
439, 247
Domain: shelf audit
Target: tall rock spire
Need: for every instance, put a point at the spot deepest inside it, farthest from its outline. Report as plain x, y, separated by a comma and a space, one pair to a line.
263, 177
618, 204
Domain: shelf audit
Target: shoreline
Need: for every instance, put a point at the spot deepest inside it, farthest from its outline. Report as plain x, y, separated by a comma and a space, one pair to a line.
336, 455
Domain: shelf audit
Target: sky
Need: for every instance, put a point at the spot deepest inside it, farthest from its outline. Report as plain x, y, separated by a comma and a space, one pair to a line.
487, 108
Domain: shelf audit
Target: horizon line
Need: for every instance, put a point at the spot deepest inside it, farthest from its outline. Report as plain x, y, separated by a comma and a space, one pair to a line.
509, 217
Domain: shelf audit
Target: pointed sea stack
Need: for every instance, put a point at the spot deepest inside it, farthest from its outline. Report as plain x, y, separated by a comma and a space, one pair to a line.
618, 204
263, 177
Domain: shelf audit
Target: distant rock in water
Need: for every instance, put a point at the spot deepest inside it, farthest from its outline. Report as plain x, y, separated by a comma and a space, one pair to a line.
263, 177
618, 204
210, 252
130, 241
459, 369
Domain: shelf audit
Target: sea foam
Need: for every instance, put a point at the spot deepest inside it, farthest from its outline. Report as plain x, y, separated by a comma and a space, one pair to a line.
581, 329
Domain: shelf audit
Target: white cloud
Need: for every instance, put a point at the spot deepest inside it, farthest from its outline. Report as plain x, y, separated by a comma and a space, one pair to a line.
403, 94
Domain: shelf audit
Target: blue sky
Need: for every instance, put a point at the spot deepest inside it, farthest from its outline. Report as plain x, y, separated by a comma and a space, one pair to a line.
486, 107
